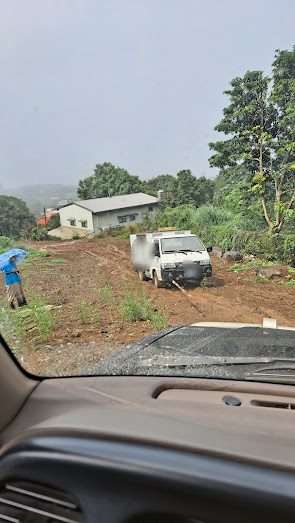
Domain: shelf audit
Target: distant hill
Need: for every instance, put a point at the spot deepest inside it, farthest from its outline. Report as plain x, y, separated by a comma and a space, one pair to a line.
39, 196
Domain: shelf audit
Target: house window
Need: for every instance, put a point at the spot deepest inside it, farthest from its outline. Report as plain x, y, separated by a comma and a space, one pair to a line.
83, 223
122, 219
132, 217
150, 208
72, 222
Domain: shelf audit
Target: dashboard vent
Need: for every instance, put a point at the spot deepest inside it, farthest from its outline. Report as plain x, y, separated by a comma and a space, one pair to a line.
23, 502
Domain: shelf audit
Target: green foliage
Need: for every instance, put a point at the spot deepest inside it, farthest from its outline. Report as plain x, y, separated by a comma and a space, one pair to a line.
5, 244
186, 189
259, 153
238, 267
218, 226
259, 279
84, 311
44, 320
54, 222
15, 217
289, 250
108, 179
57, 260
164, 182
77, 237
137, 307
39, 234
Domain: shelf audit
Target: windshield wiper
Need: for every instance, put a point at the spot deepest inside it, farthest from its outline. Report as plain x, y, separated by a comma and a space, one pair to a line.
191, 361
190, 250
167, 252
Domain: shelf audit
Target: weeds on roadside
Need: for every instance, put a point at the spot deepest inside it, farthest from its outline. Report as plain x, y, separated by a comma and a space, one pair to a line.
238, 267
204, 283
138, 308
44, 319
57, 260
259, 279
83, 310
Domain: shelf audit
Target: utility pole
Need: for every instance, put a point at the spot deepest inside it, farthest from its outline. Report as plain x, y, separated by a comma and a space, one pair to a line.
44, 210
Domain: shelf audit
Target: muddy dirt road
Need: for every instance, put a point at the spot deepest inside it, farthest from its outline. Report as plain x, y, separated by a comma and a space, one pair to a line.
90, 286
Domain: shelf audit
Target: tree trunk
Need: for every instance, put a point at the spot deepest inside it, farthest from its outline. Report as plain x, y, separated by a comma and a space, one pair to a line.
268, 221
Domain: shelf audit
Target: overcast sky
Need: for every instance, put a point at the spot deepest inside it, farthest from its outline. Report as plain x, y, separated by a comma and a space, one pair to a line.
134, 82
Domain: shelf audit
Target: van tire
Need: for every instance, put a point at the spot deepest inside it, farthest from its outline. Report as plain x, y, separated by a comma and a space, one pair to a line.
142, 276
157, 283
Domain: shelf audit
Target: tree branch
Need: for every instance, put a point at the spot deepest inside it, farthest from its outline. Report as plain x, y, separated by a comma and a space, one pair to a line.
291, 201
288, 190
284, 171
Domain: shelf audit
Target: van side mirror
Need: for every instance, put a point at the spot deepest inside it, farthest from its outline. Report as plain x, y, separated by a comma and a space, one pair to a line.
209, 249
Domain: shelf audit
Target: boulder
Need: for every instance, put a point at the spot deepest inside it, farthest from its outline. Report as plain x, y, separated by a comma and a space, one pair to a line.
267, 271
217, 252
232, 256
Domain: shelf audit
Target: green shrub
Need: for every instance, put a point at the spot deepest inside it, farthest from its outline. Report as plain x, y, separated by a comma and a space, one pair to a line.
289, 251
5, 244
222, 227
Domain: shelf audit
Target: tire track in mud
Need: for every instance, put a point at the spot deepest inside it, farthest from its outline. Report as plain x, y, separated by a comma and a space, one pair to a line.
106, 263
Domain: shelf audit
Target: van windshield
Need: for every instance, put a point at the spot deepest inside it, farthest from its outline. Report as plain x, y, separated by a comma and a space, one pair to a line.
182, 243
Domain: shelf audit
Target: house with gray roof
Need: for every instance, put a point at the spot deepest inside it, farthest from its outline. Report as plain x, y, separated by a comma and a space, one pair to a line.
90, 217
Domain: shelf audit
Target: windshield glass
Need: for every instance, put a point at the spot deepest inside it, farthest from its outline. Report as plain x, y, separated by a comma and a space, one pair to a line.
132, 131
188, 243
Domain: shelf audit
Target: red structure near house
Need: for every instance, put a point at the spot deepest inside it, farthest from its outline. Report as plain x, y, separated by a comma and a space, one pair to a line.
48, 216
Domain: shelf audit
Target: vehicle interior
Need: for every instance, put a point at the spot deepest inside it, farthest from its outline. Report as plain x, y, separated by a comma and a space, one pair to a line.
144, 449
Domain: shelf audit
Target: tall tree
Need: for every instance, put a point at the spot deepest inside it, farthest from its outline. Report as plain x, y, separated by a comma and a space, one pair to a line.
15, 217
187, 189
260, 126
283, 166
108, 180
163, 182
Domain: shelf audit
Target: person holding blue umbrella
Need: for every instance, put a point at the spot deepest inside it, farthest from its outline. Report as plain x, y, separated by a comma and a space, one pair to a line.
8, 262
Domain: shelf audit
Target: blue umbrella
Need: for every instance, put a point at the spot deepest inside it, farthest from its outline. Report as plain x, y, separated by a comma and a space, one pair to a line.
18, 253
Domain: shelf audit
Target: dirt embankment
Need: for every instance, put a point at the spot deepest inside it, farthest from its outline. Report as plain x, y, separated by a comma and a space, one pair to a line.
87, 280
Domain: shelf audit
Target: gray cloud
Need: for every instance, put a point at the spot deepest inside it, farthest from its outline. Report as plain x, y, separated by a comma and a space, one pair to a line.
135, 82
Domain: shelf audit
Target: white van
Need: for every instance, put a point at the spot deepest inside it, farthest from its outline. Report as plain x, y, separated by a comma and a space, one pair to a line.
169, 255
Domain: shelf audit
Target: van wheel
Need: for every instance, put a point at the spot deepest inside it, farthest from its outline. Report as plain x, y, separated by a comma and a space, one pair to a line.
157, 282
142, 276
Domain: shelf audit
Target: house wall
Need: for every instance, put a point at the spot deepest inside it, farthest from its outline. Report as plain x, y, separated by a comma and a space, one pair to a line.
106, 220
78, 213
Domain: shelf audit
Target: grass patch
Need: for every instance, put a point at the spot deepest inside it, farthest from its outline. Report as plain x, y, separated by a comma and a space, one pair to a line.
57, 260
204, 283
44, 319
259, 279
239, 267
139, 308
291, 269
38, 254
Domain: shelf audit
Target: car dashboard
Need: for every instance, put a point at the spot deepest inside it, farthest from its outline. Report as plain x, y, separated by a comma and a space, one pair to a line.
132, 449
